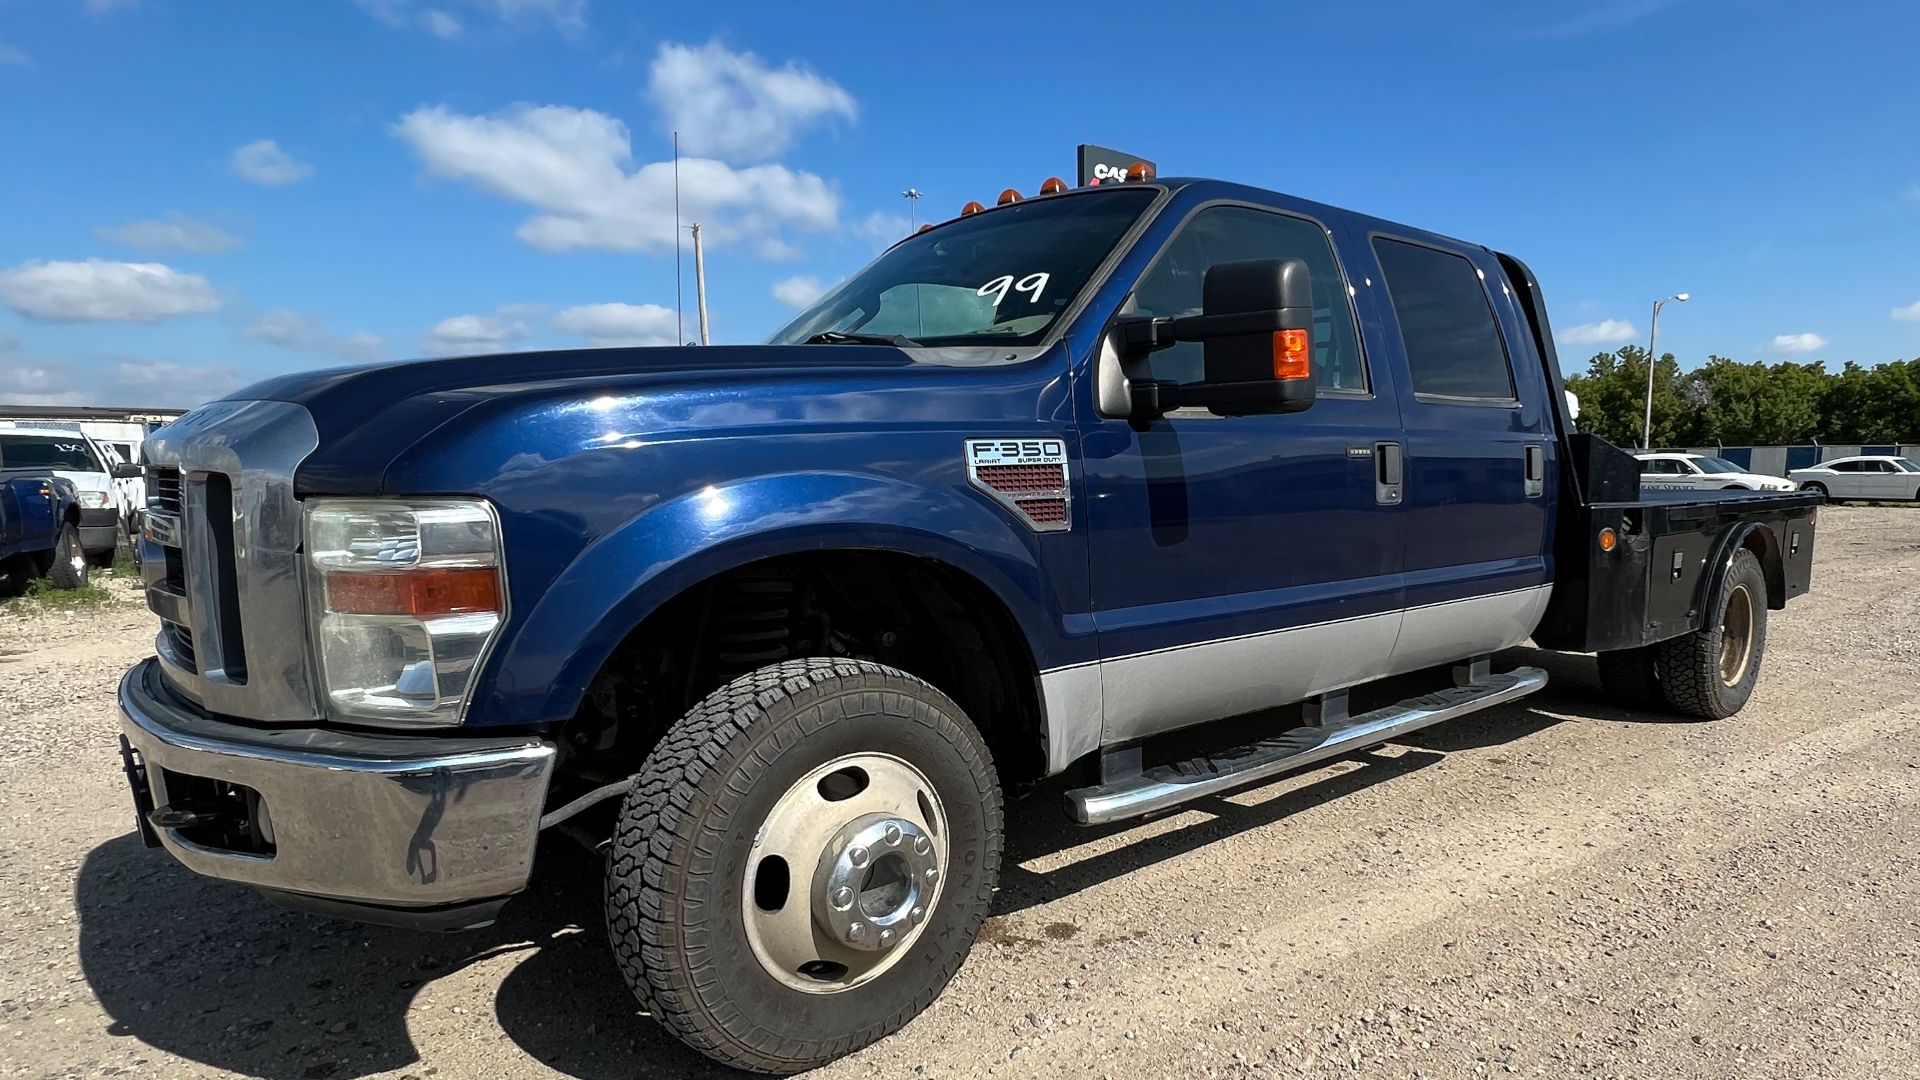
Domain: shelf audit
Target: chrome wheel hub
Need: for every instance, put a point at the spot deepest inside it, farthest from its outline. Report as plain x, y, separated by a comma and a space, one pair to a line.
874, 892
844, 873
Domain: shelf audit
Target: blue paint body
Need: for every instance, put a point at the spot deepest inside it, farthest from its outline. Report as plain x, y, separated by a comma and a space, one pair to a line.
624, 476
29, 519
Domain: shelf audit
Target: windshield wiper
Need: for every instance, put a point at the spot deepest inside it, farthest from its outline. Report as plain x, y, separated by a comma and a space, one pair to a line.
836, 337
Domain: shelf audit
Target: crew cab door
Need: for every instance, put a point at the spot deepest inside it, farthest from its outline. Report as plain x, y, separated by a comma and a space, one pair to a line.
1480, 480
1249, 561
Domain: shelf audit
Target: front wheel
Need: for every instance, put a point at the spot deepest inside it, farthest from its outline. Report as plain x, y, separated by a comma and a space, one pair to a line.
70, 566
804, 862
1711, 672
1821, 488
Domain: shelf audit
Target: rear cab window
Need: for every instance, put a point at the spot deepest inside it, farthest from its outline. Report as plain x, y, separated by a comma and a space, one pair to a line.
1454, 348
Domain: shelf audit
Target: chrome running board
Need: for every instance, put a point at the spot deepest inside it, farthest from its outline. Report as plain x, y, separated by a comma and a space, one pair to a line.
1165, 786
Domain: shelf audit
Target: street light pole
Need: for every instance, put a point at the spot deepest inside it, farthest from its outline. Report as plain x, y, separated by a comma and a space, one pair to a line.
1653, 337
912, 195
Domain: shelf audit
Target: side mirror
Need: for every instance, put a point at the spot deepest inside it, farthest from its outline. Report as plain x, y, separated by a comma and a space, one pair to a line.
1256, 329
124, 471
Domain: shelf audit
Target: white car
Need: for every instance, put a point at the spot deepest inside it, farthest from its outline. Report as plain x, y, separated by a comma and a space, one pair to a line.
1870, 477
1698, 472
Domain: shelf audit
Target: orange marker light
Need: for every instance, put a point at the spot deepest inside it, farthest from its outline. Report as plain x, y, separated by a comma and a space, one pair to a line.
419, 593
1139, 172
924, 228
971, 208
1292, 354
1009, 196
1053, 185
1608, 541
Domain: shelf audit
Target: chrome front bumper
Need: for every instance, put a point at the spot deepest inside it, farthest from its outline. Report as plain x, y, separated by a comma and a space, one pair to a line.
386, 823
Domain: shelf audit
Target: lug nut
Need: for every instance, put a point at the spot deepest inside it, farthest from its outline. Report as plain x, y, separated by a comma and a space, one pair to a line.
886, 937
892, 834
932, 875
857, 932
922, 845
842, 898
857, 855
919, 915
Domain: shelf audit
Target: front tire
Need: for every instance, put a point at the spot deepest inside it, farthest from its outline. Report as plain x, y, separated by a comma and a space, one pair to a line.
777, 834
70, 564
1711, 672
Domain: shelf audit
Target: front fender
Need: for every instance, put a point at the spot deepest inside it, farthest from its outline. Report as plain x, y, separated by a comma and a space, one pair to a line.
543, 668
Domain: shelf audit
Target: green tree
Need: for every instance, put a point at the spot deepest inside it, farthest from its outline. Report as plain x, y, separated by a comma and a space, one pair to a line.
1613, 395
1753, 404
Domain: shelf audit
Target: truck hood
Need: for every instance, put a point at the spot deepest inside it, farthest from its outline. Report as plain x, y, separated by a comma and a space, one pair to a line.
368, 417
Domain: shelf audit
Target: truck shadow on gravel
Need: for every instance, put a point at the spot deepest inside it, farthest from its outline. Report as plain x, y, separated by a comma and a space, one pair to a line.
213, 973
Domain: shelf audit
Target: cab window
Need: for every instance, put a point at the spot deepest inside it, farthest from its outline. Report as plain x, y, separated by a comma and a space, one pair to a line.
1221, 234
1454, 349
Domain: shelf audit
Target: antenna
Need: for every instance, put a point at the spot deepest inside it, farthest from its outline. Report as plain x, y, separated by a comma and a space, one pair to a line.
912, 195
679, 326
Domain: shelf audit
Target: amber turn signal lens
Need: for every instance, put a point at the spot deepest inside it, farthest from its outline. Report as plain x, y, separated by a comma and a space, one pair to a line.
1292, 355
1053, 185
1608, 541
418, 593
971, 208
1009, 196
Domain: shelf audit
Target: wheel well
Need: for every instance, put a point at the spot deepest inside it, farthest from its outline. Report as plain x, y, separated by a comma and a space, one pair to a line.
916, 614
1767, 549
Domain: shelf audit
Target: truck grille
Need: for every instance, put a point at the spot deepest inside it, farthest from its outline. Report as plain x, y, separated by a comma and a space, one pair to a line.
163, 489
220, 555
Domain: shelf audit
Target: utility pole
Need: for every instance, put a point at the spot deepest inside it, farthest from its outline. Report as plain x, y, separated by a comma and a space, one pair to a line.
700, 282
1653, 335
912, 195
679, 327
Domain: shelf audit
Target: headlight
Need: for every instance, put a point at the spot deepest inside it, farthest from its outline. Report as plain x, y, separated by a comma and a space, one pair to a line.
404, 598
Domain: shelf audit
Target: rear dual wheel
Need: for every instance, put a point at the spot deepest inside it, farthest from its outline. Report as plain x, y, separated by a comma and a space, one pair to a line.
1709, 673
804, 862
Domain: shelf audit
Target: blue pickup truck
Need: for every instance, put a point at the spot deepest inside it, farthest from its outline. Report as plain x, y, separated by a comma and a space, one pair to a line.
39, 531
1045, 491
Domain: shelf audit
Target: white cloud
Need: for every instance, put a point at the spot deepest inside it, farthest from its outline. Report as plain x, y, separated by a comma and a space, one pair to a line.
609, 325
572, 166
464, 335
263, 162
798, 292
12, 57
159, 383
733, 106
567, 16
1799, 343
1913, 192
291, 330
1604, 332
1910, 313
883, 228
100, 291
177, 233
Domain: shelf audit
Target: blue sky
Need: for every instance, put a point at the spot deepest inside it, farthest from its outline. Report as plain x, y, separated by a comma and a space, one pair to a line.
199, 194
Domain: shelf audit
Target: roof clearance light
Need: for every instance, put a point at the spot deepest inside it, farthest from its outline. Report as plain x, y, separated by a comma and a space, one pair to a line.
971, 208
1292, 354
1053, 186
1009, 196
924, 228
1139, 172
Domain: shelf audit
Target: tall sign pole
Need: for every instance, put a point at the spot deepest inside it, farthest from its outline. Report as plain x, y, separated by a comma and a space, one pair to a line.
700, 282
679, 325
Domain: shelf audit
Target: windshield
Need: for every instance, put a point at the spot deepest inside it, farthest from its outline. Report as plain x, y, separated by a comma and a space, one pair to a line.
1716, 465
997, 278
29, 451
1906, 465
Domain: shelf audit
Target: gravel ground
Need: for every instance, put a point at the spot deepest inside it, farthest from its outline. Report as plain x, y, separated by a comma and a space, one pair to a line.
1556, 888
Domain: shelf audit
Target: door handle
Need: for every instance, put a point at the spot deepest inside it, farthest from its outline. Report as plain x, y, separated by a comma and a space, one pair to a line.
1388, 473
1536, 470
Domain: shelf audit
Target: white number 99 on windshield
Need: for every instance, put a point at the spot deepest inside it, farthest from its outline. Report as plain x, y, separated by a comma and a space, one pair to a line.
1033, 285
